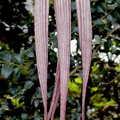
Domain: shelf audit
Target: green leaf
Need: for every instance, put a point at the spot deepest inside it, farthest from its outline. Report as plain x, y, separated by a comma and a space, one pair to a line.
97, 39
30, 53
38, 90
22, 53
113, 6
73, 6
15, 102
78, 80
17, 72
94, 89
94, 0
6, 70
116, 15
36, 103
100, 10
37, 117
116, 81
28, 85
25, 70
117, 68
53, 40
118, 2
16, 58
24, 116
38, 93
6, 56
98, 22
1, 111
73, 87
5, 106
109, 18
113, 49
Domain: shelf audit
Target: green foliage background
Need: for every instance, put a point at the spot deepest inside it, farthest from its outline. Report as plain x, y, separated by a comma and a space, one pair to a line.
20, 97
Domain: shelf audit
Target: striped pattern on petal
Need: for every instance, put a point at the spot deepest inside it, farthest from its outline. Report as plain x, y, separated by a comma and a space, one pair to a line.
41, 40
85, 40
56, 94
63, 21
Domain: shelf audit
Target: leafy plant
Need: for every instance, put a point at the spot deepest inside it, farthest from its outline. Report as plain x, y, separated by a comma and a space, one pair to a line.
20, 94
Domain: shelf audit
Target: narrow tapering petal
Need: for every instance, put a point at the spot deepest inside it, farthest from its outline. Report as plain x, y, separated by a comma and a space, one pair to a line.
85, 40
41, 40
63, 21
56, 93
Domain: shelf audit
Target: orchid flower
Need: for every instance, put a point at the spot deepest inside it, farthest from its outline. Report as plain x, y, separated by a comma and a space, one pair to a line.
63, 23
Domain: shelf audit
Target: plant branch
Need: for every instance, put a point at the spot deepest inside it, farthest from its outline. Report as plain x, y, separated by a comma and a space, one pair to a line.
116, 78
115, 37
75, 70
112, 31
3, 62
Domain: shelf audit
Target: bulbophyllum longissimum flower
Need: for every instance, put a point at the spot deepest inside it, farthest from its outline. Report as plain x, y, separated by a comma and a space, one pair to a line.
63, 23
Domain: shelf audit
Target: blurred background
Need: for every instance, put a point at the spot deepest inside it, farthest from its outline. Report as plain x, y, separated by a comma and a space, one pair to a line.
20, 97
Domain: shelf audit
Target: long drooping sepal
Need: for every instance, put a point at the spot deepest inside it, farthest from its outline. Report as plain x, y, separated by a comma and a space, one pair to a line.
41, 42
63, 21
56, 93
85, 39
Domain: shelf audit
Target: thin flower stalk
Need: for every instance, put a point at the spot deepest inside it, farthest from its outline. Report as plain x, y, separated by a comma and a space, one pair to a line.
41, 40
85, 40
